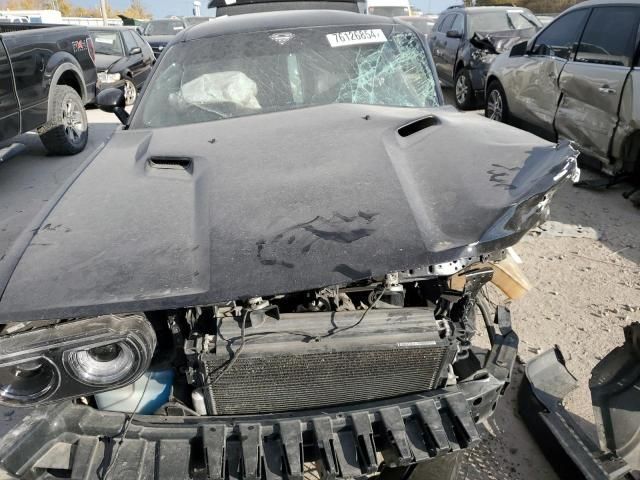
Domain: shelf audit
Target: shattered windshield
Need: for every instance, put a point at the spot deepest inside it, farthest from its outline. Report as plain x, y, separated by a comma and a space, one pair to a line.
242, 74
502, 20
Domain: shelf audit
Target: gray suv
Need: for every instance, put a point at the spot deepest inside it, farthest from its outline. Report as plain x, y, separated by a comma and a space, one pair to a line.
577, 79
464, 42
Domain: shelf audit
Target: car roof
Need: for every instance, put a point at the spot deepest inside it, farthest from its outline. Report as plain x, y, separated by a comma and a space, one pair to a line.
112, 28
608, 3
486, 9
166, 20
254, 22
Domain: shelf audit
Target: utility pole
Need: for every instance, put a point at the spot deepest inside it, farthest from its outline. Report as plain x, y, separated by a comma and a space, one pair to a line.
103, 8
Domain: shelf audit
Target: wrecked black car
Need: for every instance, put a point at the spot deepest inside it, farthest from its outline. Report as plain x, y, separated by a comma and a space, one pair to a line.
277, 262
465, 41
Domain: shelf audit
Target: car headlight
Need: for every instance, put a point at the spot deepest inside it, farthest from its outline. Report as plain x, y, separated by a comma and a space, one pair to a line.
74, 359
28, 381
105, 77
102, 365
482, 56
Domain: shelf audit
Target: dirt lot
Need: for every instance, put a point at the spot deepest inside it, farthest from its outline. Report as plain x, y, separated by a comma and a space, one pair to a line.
585, 289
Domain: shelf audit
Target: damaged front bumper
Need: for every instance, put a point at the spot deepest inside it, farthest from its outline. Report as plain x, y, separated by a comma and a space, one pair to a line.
344, 442
615, 393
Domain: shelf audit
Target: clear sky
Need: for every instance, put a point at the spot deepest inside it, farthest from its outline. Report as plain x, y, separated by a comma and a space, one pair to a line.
163, 8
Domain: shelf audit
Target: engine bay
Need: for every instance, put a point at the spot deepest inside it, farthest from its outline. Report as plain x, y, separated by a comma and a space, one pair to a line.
403, 333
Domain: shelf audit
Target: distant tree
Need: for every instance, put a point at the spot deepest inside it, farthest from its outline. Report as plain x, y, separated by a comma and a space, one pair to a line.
136, 10
68, 9
25, 4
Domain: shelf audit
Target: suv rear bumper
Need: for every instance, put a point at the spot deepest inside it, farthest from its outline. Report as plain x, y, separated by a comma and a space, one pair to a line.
81, 442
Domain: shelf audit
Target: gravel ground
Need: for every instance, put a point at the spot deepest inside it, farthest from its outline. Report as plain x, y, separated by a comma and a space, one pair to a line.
585, 272
585, 289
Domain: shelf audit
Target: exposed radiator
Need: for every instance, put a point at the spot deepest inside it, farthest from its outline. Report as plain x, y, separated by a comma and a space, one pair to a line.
392, 353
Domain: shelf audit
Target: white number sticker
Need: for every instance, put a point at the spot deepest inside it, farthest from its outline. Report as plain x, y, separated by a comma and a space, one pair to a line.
356, 37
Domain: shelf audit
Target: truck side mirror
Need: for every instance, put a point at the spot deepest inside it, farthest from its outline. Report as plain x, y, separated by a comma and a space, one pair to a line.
454, 34
112, 100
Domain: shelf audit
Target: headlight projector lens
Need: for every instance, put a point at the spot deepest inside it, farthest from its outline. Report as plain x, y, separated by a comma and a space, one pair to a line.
27, 381
103, 365
74, 359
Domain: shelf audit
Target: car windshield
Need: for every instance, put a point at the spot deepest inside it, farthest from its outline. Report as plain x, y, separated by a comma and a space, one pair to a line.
242, 74
164, 27
502, 20
107, 42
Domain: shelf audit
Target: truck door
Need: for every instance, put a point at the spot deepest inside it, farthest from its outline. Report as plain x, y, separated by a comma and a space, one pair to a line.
592, 84
540, 72
9, 109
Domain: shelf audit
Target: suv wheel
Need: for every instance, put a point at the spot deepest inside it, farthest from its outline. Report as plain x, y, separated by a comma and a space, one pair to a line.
496, 107
463, 90
67, 131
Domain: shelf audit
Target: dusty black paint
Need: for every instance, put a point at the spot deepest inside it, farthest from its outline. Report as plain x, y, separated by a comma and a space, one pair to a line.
280, 212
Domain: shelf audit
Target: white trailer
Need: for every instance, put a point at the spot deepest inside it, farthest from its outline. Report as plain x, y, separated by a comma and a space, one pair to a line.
389, 8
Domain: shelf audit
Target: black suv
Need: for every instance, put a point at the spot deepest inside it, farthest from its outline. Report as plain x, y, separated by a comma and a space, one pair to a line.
464, 42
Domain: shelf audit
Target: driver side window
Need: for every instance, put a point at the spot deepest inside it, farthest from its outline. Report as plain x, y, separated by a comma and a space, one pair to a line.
560, 39
458, 24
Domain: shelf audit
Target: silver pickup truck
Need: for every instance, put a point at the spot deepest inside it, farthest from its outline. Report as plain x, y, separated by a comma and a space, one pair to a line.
577, 79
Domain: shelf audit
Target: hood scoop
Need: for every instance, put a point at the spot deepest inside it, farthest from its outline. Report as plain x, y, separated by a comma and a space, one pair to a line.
171, 163
418, 125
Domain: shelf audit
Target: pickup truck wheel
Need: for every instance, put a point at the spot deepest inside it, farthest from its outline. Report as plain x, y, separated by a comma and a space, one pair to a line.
130, 92
67, 132
464, 90
496, 107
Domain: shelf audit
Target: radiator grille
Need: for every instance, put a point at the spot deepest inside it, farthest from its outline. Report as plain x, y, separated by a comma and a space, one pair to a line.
289, 382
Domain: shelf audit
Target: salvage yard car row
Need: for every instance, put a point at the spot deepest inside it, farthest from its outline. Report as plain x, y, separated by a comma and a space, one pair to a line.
351, 255
279, 259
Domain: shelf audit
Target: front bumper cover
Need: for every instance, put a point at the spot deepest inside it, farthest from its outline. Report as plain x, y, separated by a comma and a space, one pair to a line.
81, 442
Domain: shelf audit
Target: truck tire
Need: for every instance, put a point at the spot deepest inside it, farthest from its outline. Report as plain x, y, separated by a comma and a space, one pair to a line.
67, 131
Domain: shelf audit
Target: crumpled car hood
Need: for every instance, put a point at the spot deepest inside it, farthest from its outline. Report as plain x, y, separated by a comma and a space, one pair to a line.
498, 42
277, 203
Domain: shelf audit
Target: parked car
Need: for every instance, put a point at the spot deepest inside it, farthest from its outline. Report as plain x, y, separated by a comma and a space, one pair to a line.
578, 79
465, 41
47, 75
123, 59
292, 284
422, 24
159, 33
191, 21
545, 19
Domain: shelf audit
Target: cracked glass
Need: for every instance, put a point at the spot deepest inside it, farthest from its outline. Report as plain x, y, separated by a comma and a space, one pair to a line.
233, 75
